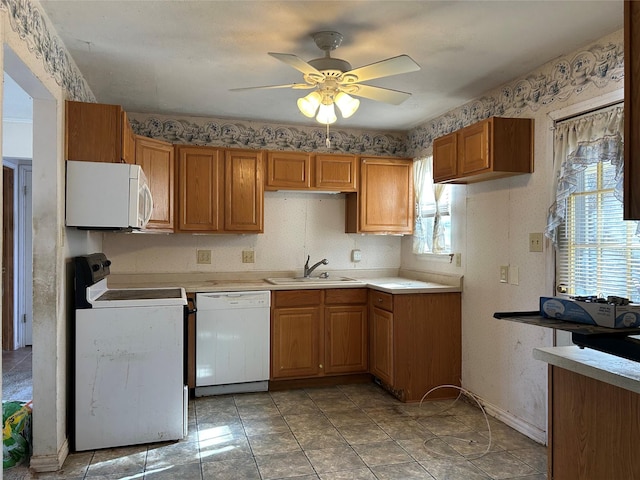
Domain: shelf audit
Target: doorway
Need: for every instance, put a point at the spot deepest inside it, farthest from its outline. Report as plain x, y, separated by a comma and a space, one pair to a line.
17, 266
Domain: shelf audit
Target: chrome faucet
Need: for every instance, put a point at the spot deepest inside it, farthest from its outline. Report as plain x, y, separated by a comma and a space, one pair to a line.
307, 270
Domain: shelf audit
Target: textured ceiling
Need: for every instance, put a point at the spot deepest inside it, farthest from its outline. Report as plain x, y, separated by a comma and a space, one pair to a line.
183, 57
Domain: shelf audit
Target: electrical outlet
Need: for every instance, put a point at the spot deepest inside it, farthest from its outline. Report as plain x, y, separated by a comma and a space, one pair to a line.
203, 256
535, 242
458, 259
248, 256
504, 274
356, 255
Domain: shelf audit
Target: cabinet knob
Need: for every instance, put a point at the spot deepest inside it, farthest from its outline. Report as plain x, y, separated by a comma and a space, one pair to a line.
320, 365
379, 300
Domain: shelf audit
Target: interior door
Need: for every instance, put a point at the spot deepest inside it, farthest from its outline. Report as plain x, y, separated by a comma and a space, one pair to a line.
26, 276
7, 259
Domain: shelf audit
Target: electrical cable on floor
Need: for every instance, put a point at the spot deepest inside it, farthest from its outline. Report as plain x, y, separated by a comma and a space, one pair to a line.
475, 399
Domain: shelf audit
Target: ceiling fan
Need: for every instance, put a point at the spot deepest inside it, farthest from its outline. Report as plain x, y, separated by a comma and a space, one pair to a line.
333, 80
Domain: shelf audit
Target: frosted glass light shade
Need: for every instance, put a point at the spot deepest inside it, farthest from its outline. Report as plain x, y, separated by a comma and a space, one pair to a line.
309, 104
326, 114
347, 104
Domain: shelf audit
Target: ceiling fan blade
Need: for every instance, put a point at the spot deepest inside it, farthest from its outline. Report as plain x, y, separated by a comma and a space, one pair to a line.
383, 68
386, 95
296, 62
295, 86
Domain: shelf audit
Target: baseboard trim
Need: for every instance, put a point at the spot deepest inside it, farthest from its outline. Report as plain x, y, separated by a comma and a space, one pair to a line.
531, 431
50, 463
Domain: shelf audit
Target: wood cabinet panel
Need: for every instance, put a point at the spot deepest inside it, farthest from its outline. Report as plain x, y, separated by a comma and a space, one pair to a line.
594, 428
97, 132
445, 150
631, 110
346, 339
336, 172
157, 162
382, 300
295, 342
200, 173
342, 296
473, 148
384, 203
296, 298
382, 345
243, 192
288, 170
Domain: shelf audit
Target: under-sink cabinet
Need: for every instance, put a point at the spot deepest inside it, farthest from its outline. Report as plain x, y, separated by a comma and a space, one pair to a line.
308, 171
219, 190
384, 202
157, 162
317, 333
415, 343
493, 148
97, 132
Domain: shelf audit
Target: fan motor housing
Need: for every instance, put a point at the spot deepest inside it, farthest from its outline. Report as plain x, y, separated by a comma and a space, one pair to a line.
325, 64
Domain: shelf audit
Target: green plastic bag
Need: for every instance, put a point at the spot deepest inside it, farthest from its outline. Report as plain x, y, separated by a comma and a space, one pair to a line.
16, 433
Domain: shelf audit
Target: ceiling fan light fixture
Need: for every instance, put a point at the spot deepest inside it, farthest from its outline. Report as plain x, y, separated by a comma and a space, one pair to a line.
309, 105
326, 114
347, 104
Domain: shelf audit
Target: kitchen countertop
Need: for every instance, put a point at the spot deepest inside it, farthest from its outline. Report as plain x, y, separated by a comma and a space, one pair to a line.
593, 364
225, 282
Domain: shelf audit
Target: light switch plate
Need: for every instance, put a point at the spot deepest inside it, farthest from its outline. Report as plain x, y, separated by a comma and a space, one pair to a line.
356, 255
504, 274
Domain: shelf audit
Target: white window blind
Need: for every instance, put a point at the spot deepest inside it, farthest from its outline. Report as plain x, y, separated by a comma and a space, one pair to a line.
432, 233
598, 253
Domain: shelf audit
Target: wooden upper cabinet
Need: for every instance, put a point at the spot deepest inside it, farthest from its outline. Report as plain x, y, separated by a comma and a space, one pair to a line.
385, 201
493, 148
336, 172
631, 110
200, 173
305, 171
97, 132
157, 162
445, 150
288, 170
244, 191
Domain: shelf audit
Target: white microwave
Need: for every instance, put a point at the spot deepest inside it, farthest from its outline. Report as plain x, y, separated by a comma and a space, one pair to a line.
107, 196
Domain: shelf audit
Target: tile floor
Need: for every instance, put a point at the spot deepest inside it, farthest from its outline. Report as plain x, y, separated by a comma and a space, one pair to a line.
16, 375
353, 432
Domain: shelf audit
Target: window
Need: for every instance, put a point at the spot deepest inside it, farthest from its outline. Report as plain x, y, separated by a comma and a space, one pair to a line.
432, 232
597, 252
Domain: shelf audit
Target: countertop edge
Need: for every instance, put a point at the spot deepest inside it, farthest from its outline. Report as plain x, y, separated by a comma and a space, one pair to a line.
604, 367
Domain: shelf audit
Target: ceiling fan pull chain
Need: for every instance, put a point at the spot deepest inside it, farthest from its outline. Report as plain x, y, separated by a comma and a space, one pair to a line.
328, 140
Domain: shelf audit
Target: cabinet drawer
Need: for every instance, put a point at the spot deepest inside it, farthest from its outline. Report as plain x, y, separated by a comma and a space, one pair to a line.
297, 298
382, 300
345, 296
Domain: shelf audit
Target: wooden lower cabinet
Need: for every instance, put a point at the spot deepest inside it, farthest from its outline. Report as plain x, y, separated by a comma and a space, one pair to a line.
594, 429
416, 343
318, 332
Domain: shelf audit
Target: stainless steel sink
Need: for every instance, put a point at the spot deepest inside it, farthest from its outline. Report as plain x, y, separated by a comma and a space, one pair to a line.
311, 280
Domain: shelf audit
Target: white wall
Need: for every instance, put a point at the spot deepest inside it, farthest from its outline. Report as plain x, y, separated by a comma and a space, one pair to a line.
296, 225
491, 225
17, 139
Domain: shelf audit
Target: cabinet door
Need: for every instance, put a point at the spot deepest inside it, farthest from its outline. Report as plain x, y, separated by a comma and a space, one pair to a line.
94, 132
631, 110
445, 158
336, 172
382, 345
295, 340
385, 202
200, 181
288, 170
346, 334
157, 162
473, 148
128, 141
244, 192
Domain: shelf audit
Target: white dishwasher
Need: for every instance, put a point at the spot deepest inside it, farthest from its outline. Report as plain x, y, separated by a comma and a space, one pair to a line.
232, 342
